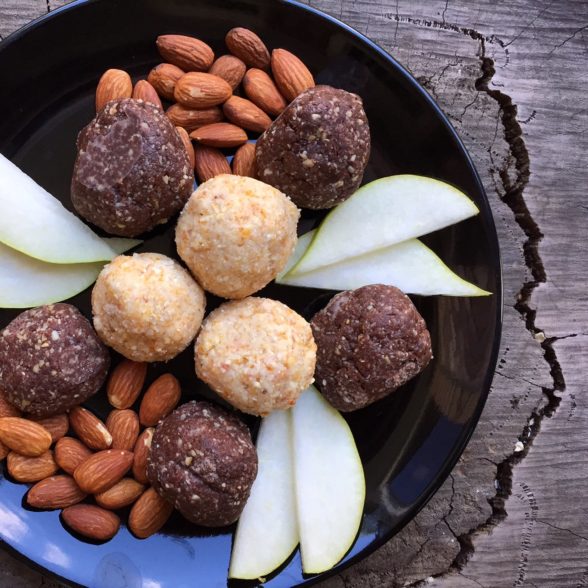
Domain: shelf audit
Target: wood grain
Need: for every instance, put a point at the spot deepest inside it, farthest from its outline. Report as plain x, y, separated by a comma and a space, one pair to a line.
510, 77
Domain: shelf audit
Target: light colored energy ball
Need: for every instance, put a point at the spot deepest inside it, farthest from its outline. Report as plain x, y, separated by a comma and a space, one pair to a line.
236, 235
147, 307
257, 354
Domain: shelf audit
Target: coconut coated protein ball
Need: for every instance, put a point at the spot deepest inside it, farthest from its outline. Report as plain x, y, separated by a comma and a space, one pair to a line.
203, 461
147, 307
51, 360
236, 235
370, 341
132, 171
316, 151
257, 354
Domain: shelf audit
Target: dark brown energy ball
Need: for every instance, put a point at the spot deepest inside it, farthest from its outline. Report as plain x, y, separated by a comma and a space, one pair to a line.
370, 341
203, 461
51, 360
316, 151
132, 171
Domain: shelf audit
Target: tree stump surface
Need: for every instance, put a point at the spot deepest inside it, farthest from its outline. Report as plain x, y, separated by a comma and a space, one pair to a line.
510, 76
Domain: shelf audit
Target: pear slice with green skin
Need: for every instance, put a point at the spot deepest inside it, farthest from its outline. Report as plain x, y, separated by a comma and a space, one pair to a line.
267, 532
410, 266
382, 213
38, 225
330, 483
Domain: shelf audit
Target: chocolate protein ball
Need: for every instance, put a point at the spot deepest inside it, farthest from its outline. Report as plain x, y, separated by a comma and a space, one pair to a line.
51, 360
370, 341
203, 461
316, 151
132, 171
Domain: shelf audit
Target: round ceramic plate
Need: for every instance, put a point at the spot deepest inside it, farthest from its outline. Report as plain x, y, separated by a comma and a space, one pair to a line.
409, 441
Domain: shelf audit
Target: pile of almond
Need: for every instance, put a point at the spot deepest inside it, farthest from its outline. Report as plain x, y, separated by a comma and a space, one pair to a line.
73, 457
207, 105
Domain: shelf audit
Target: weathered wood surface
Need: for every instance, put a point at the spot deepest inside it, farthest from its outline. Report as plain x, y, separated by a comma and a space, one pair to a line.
511, 76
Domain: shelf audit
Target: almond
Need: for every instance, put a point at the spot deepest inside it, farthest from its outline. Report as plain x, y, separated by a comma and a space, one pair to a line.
70, 453
143, 90
186, 52
229, 68
291, 75
55, 492
187, 144
149, 514
103, 470
263, 92
245, 114
244, 163
113, 85
57, 425
125, 383
31, 469
163, 78
120, 495
190, 118
7, 409
220, 135
123, 425
141, 454
201, 90
24, 436
210, 162
89, 428
91, 521
4, 451
247, 46
159, 400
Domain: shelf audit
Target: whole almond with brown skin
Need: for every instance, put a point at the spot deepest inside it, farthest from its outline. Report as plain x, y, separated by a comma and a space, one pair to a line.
263, 92
31, 469
69, 453
159, 400
143, 90
141, 454
291, 75
7, 409
186, 52
123, 425
201, 90
103, 470
91, 521
187, 144
247, 46
57, 425
210, 162
149, 514
55, 492
24, 436
113, 85
125, 383
244, 113
244, 163
120, 495
220, 135
4, 451
163, 78
89, 428
191, 118
229, 68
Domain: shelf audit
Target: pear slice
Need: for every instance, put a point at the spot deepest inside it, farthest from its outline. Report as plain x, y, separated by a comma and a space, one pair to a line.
410, 266
330, 483
267, 532
383, 213
27, 282
37, 224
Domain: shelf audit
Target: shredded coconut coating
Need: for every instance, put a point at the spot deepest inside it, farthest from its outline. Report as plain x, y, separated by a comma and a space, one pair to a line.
236, 235
147, 307
256, 353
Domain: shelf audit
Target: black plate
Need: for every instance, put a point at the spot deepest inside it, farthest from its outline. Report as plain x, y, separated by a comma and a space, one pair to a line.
408, 442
